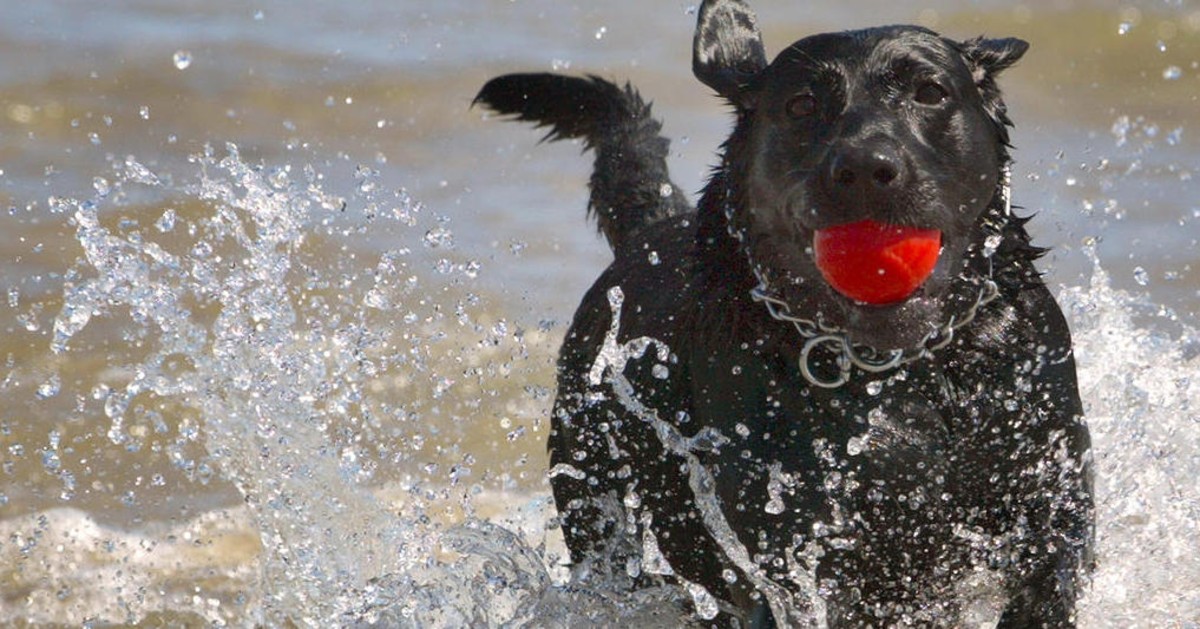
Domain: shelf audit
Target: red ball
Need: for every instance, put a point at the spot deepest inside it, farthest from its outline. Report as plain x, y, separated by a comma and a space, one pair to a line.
876, 263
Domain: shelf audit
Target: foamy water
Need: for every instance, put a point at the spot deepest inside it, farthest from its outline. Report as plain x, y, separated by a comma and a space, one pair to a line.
1141, 392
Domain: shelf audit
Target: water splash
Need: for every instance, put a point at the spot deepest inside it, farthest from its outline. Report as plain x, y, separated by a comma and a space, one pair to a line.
285, 366
804, 610
238, 333
1138, 367
296, 373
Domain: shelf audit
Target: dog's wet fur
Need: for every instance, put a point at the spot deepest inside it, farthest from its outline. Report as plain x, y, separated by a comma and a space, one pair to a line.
894, 488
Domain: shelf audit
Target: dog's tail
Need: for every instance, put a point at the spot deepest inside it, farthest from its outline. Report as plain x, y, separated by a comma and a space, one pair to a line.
630, 185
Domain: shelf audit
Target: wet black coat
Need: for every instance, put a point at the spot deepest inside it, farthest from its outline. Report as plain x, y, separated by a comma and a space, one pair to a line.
894, 490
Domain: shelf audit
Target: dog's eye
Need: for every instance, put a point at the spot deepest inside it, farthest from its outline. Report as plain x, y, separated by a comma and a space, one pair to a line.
802, 106
930, 93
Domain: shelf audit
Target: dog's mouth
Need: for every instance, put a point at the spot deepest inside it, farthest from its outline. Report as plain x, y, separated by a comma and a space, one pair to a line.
875, 263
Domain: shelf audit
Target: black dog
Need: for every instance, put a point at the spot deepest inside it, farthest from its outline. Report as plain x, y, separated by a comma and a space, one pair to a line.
805, 451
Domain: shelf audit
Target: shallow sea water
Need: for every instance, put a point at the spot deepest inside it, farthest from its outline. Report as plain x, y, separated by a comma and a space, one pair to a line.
280, 310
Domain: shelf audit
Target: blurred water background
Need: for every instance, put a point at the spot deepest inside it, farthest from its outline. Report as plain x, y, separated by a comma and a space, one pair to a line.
280, 309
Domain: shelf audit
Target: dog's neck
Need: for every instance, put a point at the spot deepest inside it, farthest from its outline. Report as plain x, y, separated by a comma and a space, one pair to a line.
717, 246
727, 263
722, 256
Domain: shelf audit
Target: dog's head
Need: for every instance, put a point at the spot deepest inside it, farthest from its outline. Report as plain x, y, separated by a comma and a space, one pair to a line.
895, 128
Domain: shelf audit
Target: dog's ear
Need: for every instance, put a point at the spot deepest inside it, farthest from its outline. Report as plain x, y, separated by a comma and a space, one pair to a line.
727, 50
989, 57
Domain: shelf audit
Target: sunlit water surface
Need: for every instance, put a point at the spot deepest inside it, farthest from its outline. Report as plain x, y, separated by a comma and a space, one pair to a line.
307, 381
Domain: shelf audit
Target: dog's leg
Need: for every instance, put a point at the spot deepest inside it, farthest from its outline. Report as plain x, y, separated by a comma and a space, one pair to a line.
1049, 585
630, 184
1045, 601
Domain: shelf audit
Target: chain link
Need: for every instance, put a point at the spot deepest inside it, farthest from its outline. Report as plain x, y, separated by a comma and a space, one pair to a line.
865, 357
847, 354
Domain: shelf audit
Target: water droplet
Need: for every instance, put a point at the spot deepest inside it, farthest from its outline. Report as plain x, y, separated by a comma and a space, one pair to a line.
1172, 73
136, 172
632, 500
515, 434
742, 430
660, 371
50, 387
1141, 276
439, 237
30, 320
144, 112
874, 387
601, 31
855, 445
705, 604
182, 59
100, 184
665, 190
166, 222
563, 469
991, 244
1124, 28
652, 257
74, 316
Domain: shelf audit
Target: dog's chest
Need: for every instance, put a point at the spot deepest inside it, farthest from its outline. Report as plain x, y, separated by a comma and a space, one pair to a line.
850, 467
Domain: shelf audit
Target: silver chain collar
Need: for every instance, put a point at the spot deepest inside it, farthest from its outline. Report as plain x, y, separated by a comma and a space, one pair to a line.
866, 358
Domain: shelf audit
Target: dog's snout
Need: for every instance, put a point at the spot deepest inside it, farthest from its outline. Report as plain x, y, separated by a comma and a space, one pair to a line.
875, 168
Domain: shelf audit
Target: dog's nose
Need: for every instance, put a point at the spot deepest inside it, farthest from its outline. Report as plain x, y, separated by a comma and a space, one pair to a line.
875, 168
